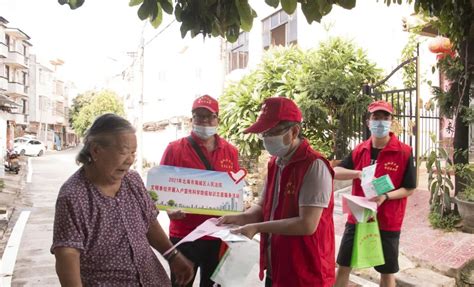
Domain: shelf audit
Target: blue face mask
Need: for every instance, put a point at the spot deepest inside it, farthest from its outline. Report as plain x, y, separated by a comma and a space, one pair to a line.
379, 129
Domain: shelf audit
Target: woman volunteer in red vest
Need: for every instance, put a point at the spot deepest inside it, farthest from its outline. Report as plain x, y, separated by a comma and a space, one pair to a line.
395, 159
294, 215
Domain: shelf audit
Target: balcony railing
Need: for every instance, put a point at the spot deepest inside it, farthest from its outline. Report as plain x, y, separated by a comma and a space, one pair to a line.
3, 50
17, 59
3, 83
16, 89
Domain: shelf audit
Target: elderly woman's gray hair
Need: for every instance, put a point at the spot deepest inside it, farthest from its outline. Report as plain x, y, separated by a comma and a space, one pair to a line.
100, 132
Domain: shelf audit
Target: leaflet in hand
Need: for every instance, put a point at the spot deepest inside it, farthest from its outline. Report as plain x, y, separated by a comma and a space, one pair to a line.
206, 228
360, 207
368, 175
383, 184
372, 186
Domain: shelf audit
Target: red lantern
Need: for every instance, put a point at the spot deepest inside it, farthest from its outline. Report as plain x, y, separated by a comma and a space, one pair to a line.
440, 45
441, 56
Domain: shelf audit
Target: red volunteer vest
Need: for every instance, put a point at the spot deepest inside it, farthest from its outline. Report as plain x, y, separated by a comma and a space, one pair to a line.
392, 160
298, 260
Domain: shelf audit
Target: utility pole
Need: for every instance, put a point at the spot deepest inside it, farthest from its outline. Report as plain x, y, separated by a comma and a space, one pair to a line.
139, 121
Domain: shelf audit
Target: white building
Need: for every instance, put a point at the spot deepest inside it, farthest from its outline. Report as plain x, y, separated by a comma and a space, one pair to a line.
14, 83
33, 96
49, 104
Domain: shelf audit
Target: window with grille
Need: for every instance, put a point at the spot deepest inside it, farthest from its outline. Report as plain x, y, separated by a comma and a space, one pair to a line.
238, 53
279, 29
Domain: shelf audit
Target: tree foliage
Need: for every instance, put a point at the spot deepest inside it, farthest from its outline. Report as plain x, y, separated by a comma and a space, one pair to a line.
86, 107
325, 83
332, 100
220, 17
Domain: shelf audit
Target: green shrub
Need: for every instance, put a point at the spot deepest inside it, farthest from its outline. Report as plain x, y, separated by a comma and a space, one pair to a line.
467, 194
446, 222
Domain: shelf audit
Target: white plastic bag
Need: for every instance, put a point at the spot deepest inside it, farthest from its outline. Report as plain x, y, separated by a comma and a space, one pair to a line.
236, 263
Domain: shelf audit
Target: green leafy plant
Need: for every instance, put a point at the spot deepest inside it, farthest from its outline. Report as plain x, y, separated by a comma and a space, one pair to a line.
332, 100
409, 70
439, 166
447, 222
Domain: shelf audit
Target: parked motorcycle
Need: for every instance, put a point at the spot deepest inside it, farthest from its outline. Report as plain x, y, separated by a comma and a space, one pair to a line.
12, 162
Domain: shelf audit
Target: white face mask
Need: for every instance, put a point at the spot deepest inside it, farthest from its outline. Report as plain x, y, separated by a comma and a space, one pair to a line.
275, 145
379, 129
204, 132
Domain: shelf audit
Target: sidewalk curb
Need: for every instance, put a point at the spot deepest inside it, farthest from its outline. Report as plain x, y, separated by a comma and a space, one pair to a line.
15, 187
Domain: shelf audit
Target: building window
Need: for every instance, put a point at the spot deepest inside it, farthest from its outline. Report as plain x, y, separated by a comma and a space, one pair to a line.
58, 109
24, 50
280, 29
25, 107
25, 78
7, 72
7, 41
238, 53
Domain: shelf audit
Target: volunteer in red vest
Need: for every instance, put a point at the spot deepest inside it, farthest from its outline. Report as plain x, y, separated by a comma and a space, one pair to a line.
294, 216
395, 159
216, 154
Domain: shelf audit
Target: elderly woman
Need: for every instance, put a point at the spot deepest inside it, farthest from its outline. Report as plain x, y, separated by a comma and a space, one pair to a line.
105, 220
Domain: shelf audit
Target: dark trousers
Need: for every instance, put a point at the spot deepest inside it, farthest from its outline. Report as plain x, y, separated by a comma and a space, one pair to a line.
204, 254
268, 282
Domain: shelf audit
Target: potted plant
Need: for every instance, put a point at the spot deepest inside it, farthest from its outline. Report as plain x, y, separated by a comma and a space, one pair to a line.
465, 200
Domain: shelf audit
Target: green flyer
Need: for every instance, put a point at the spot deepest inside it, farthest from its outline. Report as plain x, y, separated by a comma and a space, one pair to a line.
383, 184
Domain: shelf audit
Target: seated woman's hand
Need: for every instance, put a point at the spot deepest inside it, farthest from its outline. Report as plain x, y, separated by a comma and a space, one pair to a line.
183, 269
176, 214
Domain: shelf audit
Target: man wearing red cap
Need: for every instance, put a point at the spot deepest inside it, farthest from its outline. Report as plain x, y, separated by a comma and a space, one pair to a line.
203, 149
395, 159
294, 215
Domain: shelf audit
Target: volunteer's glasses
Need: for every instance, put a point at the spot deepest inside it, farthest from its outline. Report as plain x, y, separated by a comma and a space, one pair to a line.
204, 118
277, 131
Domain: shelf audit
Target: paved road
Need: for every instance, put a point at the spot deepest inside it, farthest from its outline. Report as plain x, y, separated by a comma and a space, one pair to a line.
35, 265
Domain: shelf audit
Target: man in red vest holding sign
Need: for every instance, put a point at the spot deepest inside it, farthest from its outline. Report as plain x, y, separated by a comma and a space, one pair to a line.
203, 149
393, 158
294, 215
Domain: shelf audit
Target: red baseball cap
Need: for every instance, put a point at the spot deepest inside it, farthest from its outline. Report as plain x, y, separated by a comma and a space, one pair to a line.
206, 102
380, 106
275, 110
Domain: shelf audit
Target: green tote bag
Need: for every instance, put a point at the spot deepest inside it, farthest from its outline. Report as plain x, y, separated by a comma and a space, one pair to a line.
367, 250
